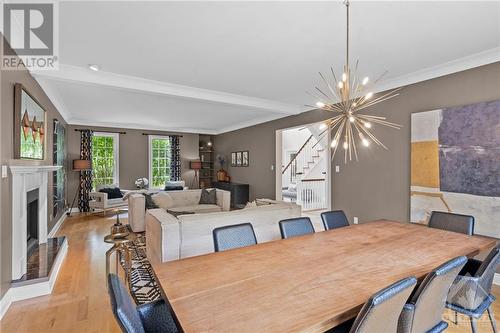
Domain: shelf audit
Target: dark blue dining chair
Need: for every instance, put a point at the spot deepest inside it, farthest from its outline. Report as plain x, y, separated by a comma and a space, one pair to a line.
424, 312
470, 294
452, 222
154, 317
381, 312
233, 236
296, 226
334, 219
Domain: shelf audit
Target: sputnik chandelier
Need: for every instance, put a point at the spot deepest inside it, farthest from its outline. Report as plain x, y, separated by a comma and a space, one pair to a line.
345, 98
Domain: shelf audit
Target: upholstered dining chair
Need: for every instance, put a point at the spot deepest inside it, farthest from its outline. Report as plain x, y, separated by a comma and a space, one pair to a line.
452, 222
233, 236
381, 312
296, 226
423, 314
154, 317
334, 219
470, 294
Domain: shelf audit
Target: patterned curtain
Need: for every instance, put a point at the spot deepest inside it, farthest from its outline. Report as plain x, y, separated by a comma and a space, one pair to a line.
175, 160
85, 176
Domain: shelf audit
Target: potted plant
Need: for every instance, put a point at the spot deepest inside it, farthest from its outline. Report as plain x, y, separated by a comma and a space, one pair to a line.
221, 174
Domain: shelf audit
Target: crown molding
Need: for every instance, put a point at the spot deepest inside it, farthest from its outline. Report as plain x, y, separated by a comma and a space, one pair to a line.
458, 65
76, 74
143, 127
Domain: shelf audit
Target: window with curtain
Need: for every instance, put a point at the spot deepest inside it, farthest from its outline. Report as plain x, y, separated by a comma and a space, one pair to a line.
160, 153
105, 159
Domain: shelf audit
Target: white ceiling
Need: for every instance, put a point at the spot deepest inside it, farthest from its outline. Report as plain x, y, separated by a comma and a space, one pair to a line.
216, 66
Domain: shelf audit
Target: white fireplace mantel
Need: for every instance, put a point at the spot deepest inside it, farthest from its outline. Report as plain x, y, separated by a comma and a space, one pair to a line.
19, 169
24, 179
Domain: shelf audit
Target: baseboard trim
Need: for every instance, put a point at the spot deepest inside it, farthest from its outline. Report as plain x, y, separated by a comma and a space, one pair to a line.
56, 226
496, 279
5, 302
20, 293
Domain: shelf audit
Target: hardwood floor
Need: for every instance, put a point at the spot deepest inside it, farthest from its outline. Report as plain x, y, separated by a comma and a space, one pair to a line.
79, 301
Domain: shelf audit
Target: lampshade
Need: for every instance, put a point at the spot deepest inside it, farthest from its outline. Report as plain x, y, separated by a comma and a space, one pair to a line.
80, 165
195, 165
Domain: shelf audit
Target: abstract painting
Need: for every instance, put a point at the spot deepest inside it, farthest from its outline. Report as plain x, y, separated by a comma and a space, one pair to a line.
455, 164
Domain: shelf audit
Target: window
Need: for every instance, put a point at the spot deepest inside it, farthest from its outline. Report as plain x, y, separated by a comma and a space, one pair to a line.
159, 160
104, 159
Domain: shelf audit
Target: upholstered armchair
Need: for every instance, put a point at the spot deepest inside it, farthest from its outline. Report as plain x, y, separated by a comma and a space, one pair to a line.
470, 294
100, 200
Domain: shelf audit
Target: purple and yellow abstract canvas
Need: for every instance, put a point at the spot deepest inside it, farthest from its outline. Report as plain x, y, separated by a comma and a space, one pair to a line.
455, 164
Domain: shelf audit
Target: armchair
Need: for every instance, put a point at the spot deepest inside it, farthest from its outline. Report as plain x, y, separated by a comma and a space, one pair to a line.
99, 200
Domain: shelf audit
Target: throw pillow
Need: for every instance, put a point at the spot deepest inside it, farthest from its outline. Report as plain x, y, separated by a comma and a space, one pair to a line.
177, 213
150, 204
208, 197
251, 204
163, 200
173, 188
113, 193
262, 202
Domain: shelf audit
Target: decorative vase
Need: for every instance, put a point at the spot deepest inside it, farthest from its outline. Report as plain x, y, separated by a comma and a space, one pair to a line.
221, 175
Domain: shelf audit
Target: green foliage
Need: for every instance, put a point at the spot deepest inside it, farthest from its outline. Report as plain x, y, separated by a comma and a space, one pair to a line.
103, 160
160, 163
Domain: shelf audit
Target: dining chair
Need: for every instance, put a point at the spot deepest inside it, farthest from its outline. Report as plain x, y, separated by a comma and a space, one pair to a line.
470, 294
334, 219
296, 226
381, 312
154, 317
452, 222
233, 236
424, 312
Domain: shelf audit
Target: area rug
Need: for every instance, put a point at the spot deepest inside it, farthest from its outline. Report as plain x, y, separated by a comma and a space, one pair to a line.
143, 286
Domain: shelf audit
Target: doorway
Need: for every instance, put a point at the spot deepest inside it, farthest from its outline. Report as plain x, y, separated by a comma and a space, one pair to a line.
303, 166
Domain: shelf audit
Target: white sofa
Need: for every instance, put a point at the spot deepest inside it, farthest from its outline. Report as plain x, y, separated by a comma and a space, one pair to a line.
177, 201
170, 238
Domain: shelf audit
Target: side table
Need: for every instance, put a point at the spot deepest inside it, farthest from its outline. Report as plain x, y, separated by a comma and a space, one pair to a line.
119, 241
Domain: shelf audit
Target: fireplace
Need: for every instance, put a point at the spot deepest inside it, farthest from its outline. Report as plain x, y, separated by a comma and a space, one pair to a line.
32, 221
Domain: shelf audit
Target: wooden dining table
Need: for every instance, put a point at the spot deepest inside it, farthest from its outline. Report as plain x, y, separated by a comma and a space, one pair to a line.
309, 283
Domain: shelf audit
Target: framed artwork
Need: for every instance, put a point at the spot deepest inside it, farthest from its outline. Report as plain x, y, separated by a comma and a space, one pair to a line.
238, 158
29, 126
59, 176
454, 164
233, 159
244, 157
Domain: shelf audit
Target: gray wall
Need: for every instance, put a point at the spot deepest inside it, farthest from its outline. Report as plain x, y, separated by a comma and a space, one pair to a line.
133, 155
377, 186
8, 79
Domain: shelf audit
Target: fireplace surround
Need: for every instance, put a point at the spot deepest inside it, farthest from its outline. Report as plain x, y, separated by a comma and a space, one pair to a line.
26, 180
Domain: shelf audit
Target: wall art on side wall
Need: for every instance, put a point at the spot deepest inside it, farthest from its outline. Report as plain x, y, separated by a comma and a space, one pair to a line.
59, 176
455, 164
29, 126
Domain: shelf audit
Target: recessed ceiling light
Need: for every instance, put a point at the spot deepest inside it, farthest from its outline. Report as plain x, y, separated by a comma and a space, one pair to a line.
94, 67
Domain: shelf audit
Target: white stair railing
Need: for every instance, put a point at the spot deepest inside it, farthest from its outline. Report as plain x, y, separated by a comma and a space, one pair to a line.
304, 160
311, 194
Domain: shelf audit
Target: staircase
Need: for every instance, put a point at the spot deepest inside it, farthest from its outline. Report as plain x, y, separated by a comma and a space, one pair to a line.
311, 192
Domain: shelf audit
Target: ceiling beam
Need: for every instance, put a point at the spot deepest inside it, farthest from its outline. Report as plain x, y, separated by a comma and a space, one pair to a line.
85, 76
